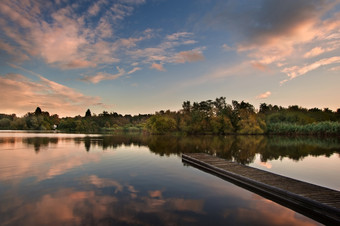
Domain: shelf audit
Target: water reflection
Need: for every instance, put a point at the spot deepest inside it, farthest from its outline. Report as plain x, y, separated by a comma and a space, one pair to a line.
39, 142
111, 203
124, 179
242, 149
49, 159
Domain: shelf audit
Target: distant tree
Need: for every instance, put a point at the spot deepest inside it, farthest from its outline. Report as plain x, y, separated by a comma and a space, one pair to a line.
5, 123
105, 114
186, 106
220, 104
88, 113
38, 111
327, 110
264, 108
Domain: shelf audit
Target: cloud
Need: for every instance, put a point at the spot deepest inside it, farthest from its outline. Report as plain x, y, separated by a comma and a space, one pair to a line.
26, 165
280, 21
20, 95
266, 164
295, 71
79, 64
259, 66
264, 95
20, 56
178, 35
226, 47
318, 50
158, 67
270, 32
95, 8
102, 183
72, 206
73, 38
166, 51
69, 38
189, 56
134, 70
279, 33
314, 52
100, 76
335, 68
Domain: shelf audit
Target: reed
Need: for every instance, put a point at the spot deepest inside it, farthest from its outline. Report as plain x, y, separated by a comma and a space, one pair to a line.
319, 128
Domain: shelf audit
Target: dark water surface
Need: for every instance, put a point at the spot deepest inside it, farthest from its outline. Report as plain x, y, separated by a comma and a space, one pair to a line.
77, 179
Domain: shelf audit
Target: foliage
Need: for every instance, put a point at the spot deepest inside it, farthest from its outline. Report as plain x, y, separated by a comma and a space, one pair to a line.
161, 124
206, 117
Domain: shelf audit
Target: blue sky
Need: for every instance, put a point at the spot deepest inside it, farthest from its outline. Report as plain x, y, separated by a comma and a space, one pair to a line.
142, 56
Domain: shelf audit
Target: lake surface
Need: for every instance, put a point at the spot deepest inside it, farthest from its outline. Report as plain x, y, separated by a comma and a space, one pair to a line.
78, 179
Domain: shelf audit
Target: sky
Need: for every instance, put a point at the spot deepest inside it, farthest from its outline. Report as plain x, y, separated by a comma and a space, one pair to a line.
142, 56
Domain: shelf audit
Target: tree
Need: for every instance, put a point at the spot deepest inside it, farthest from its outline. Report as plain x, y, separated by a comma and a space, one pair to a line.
264, 108
38, 111
5, 123
88, 113
186, 106
161, 124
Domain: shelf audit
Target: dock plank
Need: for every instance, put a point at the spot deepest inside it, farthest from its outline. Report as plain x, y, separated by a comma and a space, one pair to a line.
320, 203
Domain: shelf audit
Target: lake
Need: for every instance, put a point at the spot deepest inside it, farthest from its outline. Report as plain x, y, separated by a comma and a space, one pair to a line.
98, 179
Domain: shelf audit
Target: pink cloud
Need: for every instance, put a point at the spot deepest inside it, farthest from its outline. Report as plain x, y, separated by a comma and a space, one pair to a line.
295, 71
95, 8
103, 182
21, 95
292, 36
134, 70
189, 56
66, 41
314, 52
158, 67
100, 76
264, 95
20, 56
72, 206
319, 50
266, 164
79, 64
259, 66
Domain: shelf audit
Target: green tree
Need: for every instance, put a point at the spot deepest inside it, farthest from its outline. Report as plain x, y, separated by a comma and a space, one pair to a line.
161, 124
5, 123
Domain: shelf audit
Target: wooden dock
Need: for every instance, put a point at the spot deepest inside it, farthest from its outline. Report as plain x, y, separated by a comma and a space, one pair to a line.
319, 203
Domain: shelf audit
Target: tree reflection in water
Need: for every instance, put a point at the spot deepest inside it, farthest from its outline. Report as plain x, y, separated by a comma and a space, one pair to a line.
241, 149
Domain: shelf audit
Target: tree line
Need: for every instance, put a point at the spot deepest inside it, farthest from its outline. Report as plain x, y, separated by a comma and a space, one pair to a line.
218, 117
206, 117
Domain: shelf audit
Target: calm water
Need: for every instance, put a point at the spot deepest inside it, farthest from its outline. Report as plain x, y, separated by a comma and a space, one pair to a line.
75, 179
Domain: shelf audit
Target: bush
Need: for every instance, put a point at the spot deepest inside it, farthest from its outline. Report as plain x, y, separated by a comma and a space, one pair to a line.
161, 124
